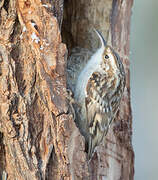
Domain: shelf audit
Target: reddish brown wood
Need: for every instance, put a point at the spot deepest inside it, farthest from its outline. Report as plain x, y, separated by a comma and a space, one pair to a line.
38, 136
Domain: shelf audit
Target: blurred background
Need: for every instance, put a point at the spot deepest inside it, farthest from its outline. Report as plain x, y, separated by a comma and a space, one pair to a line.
144, 87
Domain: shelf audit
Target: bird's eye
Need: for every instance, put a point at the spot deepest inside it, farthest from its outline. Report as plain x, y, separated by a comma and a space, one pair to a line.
106, 56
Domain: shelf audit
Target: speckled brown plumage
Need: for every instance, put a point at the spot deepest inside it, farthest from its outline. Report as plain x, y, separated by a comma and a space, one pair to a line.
99, 90
104, 91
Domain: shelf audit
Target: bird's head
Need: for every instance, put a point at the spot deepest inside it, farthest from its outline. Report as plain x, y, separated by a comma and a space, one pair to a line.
108, 55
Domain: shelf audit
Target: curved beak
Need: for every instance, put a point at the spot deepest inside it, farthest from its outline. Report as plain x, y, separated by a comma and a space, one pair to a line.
103, 42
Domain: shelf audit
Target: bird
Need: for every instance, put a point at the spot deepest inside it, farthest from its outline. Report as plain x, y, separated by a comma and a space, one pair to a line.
98, 91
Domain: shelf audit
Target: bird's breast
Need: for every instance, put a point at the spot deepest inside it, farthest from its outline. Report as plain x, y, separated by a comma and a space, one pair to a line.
92, 66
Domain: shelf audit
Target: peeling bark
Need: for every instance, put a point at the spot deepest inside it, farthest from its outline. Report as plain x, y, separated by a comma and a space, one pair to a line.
39, 138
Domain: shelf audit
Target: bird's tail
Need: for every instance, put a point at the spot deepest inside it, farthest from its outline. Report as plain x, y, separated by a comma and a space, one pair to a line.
94, 141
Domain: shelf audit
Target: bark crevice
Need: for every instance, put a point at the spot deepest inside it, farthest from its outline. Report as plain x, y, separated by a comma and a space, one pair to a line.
38, 135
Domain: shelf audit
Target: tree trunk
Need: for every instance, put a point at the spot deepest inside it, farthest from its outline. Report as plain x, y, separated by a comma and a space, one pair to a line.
38, 136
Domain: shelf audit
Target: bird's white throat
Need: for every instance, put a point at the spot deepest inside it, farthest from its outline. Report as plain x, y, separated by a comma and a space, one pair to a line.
92, 66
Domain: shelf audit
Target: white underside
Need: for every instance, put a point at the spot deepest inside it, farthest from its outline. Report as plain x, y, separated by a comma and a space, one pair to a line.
92, 66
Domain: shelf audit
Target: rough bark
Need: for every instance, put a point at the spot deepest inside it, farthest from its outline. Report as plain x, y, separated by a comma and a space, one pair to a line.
38, 136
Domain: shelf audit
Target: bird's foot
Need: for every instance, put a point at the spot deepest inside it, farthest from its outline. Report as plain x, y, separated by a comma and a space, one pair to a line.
71, 101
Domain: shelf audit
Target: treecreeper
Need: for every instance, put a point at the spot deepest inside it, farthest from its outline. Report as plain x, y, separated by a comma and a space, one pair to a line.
98, 92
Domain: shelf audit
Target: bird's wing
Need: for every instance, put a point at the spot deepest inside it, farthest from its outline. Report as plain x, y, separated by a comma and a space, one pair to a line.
99, 112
